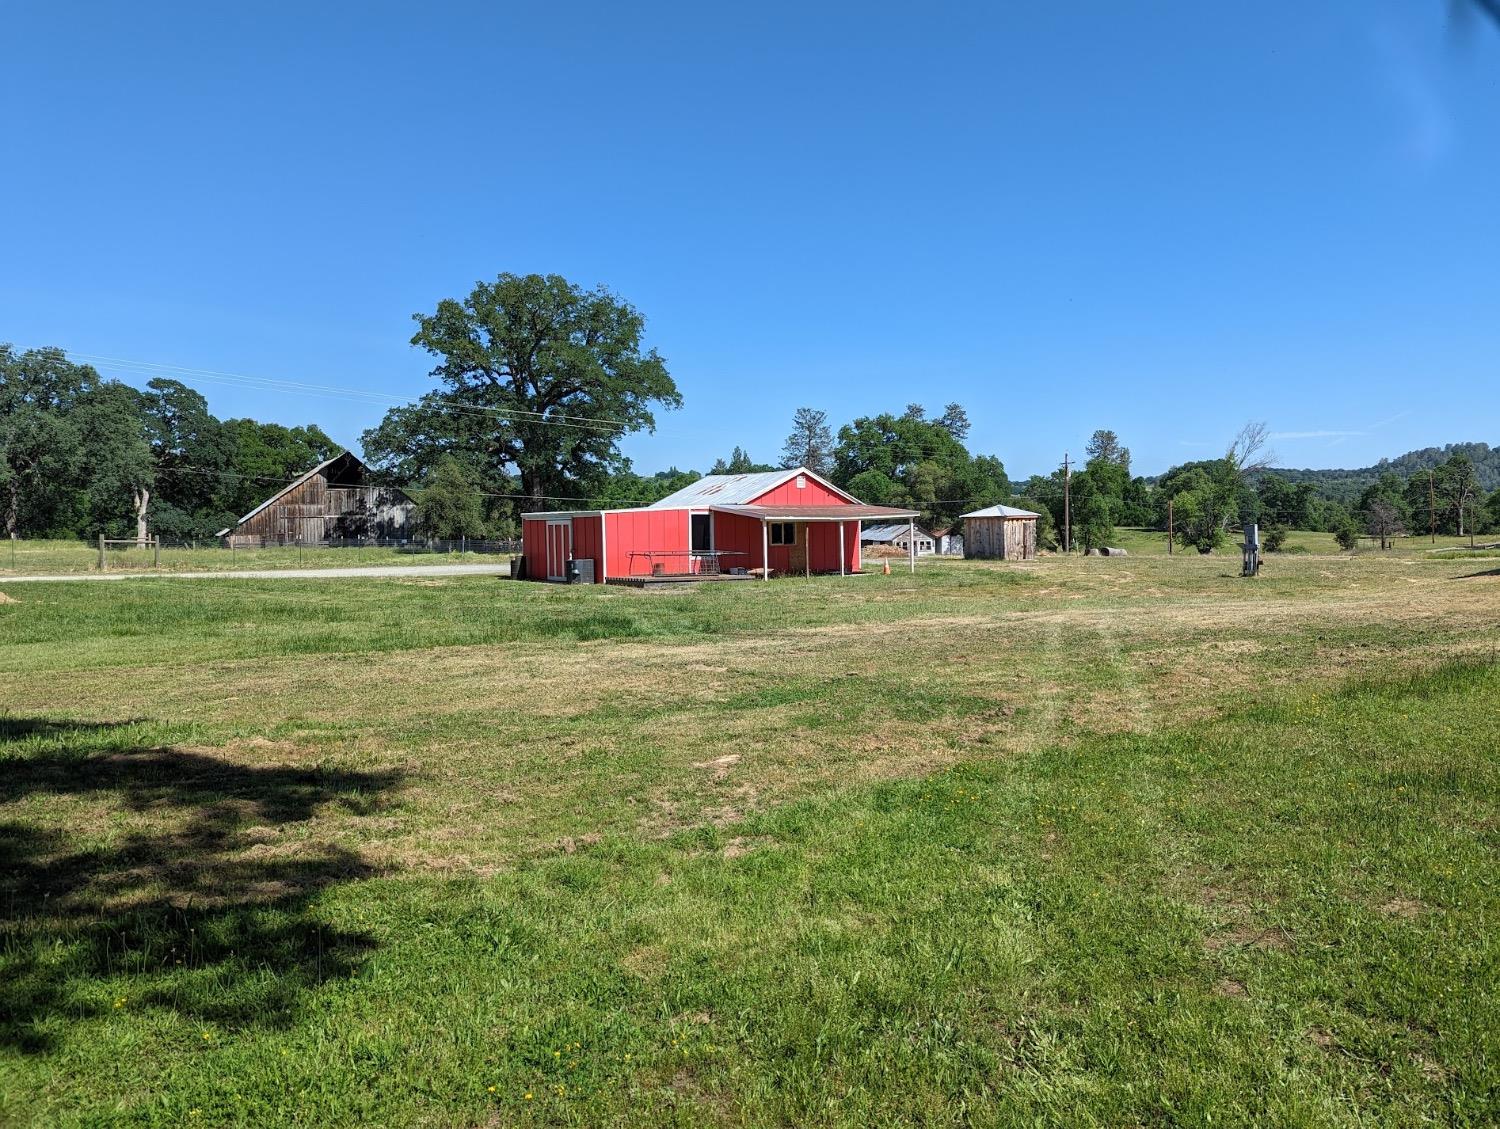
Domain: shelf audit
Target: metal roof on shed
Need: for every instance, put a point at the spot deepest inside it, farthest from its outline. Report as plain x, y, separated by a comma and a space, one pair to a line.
1002, 511
889, 532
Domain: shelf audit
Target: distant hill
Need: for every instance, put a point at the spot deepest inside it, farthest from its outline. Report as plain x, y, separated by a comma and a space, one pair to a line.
1347, 485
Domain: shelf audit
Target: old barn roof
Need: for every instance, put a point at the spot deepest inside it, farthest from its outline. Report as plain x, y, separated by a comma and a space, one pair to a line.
1002, 511
736, 489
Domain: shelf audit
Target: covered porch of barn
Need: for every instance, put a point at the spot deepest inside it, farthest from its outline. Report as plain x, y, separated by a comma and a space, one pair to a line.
791, 539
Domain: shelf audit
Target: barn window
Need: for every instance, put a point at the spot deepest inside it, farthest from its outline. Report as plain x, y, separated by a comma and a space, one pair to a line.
802, 482
783, 533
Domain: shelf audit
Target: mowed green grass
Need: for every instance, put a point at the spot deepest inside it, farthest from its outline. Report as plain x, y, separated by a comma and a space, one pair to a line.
45, 557
1084, 842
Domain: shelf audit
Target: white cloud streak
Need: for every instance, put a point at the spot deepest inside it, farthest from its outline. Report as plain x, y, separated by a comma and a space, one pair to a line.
1321, 434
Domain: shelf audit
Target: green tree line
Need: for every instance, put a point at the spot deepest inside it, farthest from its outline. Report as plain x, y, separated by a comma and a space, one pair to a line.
82, 456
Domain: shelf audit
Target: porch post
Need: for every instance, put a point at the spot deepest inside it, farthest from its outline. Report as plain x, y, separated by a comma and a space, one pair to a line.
911, 544
807, 550
841, 548
765, 550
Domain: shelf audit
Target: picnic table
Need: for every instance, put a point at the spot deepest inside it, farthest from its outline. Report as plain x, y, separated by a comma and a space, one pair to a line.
707, 560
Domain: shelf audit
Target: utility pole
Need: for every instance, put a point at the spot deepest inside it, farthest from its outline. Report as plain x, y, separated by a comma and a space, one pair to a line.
1171, 528
1067, 506
1431, 508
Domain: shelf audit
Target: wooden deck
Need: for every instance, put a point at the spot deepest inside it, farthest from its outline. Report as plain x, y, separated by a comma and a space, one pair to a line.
677, 578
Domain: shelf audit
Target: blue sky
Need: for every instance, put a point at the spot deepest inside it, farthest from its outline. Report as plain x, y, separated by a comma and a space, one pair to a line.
1164, 218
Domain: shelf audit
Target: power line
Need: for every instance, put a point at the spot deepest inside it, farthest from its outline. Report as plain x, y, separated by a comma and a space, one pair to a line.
358, 395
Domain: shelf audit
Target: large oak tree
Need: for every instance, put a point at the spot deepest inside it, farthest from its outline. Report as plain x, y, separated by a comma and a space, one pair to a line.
541, 378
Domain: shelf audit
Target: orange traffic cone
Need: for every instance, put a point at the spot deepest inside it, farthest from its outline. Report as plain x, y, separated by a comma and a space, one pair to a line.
887, 569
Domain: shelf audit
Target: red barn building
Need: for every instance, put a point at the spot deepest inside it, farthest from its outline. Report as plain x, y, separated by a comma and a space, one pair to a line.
782, 521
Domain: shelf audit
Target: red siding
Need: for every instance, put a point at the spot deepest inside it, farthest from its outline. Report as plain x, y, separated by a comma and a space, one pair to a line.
629, 536
739, 535
743, 535
534, 546
813, 494
586, 542
633, 532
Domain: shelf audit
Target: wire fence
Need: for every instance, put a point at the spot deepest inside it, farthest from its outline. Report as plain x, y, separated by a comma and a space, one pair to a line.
25, 556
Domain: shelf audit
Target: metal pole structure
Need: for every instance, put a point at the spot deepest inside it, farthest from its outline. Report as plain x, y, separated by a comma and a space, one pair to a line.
156, 560
911, 545
841, 550
1067, 506
101, 552
765, 550
1171, 531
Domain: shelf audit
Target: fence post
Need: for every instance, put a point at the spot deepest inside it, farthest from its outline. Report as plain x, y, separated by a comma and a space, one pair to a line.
101, 552
156, 563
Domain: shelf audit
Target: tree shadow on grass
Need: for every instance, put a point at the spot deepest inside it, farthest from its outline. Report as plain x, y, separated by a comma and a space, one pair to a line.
208, 911
1473, 575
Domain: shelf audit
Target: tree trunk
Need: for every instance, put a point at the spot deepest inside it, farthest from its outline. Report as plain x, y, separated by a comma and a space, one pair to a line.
534, 488
142, 500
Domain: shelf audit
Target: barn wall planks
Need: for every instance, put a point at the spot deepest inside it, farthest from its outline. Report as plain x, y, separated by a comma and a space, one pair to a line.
334, 504
999, 538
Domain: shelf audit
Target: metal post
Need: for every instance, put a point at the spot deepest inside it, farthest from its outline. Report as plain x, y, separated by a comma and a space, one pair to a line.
765, 550
911, 545
101, 552
1067, 506
1171, 530
841, 550
156, 560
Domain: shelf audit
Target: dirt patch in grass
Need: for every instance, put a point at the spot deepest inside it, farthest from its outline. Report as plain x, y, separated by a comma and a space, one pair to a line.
720, 765
1247, 936
1323, 1040
649, 962
1407, 908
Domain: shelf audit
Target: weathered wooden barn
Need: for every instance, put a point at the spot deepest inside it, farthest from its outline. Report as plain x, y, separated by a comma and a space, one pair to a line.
726, 526
332, 503
1000, 533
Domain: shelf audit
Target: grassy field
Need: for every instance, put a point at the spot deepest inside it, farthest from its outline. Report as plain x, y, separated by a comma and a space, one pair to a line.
35, 558
1078, 842
1152, 542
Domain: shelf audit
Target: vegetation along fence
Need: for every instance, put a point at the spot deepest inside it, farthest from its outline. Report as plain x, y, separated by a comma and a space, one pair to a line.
23, 556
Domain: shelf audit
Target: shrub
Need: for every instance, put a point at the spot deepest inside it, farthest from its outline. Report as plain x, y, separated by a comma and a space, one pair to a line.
1275, 538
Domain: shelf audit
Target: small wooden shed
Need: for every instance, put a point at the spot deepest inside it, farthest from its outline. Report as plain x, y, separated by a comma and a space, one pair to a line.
1002, 533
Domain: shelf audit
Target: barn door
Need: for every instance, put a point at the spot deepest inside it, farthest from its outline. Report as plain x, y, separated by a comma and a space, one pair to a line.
797, 553
559, 549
